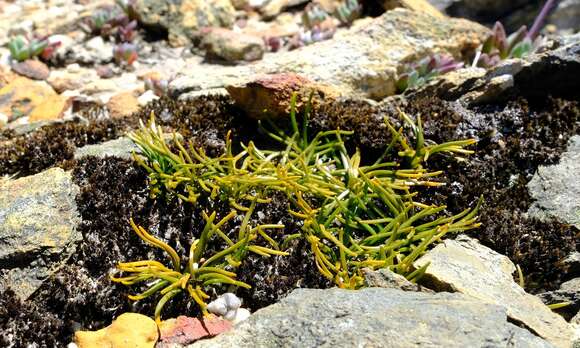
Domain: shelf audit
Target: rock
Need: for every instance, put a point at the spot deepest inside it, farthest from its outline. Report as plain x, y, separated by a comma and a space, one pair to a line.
556, 190
385, 278
361, 63
38, 228
33, 69
147, 97
242, 314
269, 95
373, 316
185, 330
491, 91
413, 5
565, 15
274, 7
572, 262
121, 147
123, 104
93, 51
52, 108
128, 330
226, 305
480, 10
21, 96
568, 292
183, 18
232, 46
467, 267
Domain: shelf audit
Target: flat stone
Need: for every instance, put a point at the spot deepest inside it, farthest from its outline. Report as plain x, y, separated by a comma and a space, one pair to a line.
128, 330
122, 147
33, 69
232, 46
385, 278
467, 267
556, 189
123, 104
362, 62
22, 95
376, 317
38, 228
185, 330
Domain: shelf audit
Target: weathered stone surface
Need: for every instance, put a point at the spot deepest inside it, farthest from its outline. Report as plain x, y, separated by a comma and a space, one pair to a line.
33, 69
362, 62
384, 278
275, 7
121, 147
568, 292
269, 95
467, 267
22, 95
185, 330
182, 18
375, 317
556, 188
128, 330
50, 109
232, 46
123, 104
566, 15
414, 5
38, 228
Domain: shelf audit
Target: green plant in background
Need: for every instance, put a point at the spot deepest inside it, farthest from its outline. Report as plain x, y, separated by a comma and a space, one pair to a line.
498, 46
354, 215
419, 73
201, 268
22, 48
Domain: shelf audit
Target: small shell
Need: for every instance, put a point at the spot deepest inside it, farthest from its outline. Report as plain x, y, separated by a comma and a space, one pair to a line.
218, 306
232, 301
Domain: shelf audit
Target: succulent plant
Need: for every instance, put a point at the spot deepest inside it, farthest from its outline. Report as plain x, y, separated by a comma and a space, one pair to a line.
313, 15
111, 21
417, 74
21, 48
348, 11
125, 54
353, 215
499, 46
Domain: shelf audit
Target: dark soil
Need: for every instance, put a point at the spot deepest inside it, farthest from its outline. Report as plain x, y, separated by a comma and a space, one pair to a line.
514, 139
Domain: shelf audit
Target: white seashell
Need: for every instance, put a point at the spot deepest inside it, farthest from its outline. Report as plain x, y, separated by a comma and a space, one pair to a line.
218, 306
232, 301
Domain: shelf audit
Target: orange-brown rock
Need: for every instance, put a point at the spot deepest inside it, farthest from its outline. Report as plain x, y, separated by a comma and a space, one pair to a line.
414, 5
269, 95
22, 96
122, 104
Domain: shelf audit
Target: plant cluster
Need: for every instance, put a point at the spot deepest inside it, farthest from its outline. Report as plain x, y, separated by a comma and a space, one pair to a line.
119, 23
418, 73
21, 48
199, 268
499, 46
354, 216
319, 25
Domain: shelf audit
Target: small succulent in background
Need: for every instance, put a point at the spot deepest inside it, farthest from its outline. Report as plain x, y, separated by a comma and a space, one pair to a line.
158, 85
348, 11
111, 21
313, 15
128, 7
499, 46
417, 74
125, 54
22, 48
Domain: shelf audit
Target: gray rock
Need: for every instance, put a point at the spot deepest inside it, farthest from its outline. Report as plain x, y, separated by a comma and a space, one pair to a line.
38, 228
568, 292
121, 147
385, 278
566, 15
467, 267
183, 18
375, 317
556, 189
362, 62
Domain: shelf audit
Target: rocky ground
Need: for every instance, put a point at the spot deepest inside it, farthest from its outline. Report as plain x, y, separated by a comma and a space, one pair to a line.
85, 73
